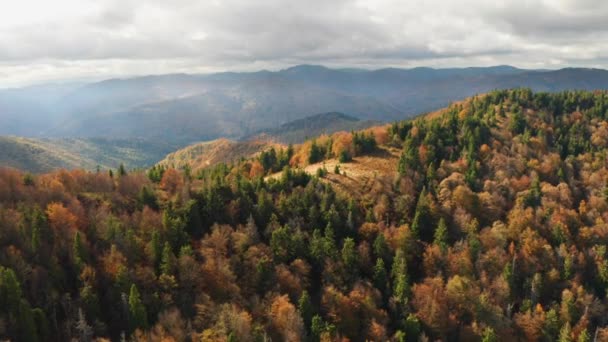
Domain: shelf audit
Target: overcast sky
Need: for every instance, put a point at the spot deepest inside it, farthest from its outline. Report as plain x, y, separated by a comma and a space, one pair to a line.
64, 39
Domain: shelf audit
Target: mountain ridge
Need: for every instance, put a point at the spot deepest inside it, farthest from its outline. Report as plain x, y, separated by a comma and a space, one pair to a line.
258, 100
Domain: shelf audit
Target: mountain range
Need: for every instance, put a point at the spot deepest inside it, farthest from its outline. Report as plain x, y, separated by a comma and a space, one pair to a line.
172, 111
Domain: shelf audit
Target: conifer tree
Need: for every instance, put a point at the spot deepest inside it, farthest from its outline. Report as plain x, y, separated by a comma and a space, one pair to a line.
138, 315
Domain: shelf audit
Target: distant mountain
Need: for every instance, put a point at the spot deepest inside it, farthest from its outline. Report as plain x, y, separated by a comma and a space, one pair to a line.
298, 131
181, 109
232, 113
44, 155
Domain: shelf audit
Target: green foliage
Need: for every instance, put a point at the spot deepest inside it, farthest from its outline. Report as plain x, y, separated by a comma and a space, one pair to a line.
440, 238
156, 172
364, 142
167, 263
121, 170
489, 335
305, 308
380, 277
148, 198
584, 336
345, 157
316, 153
138, 317
565, 334
350, 258
78, 250
412, 327
28, 180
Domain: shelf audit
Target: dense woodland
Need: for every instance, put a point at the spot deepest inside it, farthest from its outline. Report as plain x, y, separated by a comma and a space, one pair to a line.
494, 229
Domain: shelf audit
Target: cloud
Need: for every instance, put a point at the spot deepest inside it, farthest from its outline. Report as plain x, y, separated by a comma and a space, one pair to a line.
74, 38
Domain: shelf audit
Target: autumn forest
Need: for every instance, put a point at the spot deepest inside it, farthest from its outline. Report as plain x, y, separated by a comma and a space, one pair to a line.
491, 226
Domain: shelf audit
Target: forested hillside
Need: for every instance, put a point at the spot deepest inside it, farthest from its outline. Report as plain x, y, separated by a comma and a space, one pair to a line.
491, 226
40, 155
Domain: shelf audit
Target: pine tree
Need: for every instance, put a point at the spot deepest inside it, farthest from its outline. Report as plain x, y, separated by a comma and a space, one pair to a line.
315, 153
78, 250
121, 170
10, 290
26, 327
565, 334
400, 277
440, 237
317, 327
584, 336
489, 335
412, 327
305, 308
381, 248
380, 277
137, 310
420, 223
167, 264
349, 258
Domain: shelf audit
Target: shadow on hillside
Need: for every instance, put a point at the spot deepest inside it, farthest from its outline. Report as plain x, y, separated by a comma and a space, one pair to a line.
380, 153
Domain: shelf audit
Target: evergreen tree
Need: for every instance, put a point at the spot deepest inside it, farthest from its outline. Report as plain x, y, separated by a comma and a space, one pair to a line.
167, 264
349, 258
380, 277
421, 222
381, 249
305, 308
121, 170
584, 336
138, 316
317, 327
26, 327
316, 154
441, 236
489, 335
156, 248
565, 334
412, 327
400, 277
78, 250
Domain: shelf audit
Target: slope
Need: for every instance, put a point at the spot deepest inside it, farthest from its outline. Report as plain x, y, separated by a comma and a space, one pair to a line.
44, 155
298, 131
205, 154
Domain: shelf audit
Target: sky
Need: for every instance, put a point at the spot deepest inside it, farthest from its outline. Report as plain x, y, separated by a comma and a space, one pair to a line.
43, 40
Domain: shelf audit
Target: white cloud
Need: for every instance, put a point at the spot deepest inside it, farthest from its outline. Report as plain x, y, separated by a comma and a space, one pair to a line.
41, 40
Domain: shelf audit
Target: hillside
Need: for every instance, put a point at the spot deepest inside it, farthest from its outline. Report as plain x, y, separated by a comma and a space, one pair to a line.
35, 156
183, 109
298, 131
45, 155
484, 221
205, 154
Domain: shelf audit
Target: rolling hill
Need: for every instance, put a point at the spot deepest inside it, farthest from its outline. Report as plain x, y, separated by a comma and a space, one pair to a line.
44, 154
205, 154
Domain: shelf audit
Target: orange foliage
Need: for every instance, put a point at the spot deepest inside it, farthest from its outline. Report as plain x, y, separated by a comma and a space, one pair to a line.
342, 141
286, 319
256, 170
171, 181
60, 217
431, 304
